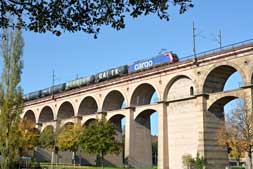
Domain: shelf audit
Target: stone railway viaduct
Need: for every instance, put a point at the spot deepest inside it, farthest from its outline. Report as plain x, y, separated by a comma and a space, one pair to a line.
190, 106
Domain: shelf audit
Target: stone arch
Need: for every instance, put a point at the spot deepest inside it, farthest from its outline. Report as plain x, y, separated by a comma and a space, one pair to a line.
88, 121
217, 76
217, 108
252, 78
180, 86
142, 94
30, 115
49, 126
143, 137
88, 106
69, 123
214, 120
65, 111
144, 115
116, 120
113, 101
46, 114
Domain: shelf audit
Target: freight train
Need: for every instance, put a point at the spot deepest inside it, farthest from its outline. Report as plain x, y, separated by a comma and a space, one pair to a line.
159, 60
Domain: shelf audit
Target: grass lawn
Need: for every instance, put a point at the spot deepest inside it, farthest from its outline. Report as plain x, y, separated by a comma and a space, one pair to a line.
48, 166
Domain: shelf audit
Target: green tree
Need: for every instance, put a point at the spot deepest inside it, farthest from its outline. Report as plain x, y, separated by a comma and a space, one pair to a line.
89, 16
47, 140
68, 138
11, 100
99, 138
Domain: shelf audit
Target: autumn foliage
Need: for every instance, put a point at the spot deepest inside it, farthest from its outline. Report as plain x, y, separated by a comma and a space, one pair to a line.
29, 137
68, 137
237, 133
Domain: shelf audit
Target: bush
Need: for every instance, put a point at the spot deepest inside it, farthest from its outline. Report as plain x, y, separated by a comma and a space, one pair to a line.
237, 167
193, 163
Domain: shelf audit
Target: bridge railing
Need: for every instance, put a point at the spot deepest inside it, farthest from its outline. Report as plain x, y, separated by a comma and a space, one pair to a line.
216, 50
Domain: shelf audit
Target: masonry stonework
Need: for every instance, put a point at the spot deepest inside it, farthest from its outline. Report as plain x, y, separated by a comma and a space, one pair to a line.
190, 107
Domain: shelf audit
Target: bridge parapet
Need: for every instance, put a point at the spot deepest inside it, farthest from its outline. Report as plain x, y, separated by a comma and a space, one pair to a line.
186, 91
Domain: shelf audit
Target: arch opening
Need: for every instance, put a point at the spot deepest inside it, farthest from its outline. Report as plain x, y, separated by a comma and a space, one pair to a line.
113, 101
179, 87
66, 110
219, 118
46, 115
88, 106
119, 123
222, 78
30, 116
48, 129
143, 95
88, 122
252, 78
147, 137
218, 107
68, 125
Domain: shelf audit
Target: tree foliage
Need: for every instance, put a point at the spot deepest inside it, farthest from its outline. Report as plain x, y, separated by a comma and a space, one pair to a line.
10, 95
193, 163
99, 138
68, 137
47, 138
187, 161
78, 15
29, 137
238, 132
229, 137
198, 162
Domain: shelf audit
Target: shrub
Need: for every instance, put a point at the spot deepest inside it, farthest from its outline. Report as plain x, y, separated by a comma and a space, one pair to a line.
237, 167
193, 163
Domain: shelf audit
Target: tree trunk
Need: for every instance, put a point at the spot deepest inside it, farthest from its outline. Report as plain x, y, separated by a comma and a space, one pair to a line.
52, 159
250, 158
74, 158
79, 158
56, 158
238, 161
102, 160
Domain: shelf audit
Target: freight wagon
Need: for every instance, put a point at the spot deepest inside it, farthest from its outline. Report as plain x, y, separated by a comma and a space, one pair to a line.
80, 82
166, 58
112, 73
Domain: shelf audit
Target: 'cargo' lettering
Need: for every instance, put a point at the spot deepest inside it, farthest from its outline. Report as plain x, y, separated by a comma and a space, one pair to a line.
143, 65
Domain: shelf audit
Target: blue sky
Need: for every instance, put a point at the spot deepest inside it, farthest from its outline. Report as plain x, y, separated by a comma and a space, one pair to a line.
79, 53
